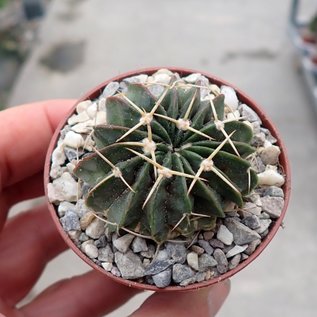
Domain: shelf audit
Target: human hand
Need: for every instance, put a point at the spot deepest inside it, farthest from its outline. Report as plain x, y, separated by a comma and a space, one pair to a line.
30, 240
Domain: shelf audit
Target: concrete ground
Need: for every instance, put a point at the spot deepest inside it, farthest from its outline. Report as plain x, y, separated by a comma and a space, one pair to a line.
82, 43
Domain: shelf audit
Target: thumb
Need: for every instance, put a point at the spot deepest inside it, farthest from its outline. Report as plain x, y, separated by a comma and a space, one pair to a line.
199, 303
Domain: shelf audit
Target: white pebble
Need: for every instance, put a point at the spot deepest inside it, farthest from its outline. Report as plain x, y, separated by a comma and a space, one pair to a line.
269, 154
81, 117
224, 235
162, 78
271, 177
63, 188
107, 266
90, 250
82, 106
101, 117
233, 115
83, 127
231, 98
110, 89
58, 155
192, 77
164, 71
95, 229
192, 260
236, 250
215, 89
92, 110
73, 140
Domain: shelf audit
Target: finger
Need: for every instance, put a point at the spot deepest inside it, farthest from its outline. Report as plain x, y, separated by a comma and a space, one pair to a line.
91, 294
201, 303
27, 243
25, 135
29, 188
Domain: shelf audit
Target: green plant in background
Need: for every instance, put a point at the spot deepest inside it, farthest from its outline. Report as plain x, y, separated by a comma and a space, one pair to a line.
168, 166
3, 3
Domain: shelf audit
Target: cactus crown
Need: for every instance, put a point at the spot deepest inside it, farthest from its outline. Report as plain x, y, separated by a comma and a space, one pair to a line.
167, 166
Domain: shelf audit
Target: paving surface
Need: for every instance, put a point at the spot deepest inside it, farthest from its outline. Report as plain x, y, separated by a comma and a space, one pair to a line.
85, 42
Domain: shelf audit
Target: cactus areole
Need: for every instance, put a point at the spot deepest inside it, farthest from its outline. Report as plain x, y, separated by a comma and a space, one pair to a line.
166, 167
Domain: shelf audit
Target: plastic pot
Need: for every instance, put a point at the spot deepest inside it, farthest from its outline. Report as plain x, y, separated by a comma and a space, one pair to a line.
266, 122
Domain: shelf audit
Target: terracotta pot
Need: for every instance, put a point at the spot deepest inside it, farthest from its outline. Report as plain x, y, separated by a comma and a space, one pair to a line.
267, 123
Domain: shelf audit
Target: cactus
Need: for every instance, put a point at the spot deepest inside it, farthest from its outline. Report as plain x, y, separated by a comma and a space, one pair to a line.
166, 167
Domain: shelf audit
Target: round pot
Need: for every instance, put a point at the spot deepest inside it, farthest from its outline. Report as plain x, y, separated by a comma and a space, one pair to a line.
266, 122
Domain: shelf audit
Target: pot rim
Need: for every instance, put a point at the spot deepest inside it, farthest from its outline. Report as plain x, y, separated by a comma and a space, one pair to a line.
266, 122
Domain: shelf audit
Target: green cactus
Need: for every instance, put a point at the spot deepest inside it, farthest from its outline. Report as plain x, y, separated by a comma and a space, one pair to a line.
166, 167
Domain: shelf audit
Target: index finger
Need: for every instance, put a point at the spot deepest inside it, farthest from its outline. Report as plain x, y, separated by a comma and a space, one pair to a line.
25, 136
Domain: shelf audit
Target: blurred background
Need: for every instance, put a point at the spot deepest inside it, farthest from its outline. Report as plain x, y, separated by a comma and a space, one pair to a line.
63, 48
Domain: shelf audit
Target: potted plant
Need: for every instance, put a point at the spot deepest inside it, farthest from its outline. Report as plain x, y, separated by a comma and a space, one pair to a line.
167, 179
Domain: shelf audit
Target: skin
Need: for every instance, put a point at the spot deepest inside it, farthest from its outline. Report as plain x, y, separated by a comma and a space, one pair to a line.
30, 240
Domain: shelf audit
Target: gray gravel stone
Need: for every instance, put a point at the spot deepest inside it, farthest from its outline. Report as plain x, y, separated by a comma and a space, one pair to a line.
222, 261
215, 243
95, 229
115, 271
236, 250
244, 256
70, 221
241, 233
208, 235
139, 245
105, 254
122, 244
252, 208
252, 246
224, 235
252, 222
83, 237
181, 272
65, 206
206, 261
188, 281
264, 225
71, 153
177, 251
156, 90
272, 205
149, 253
81, 207
197, 249
206, 246
129, 265
163, 279
200, 276
268, 135
101, 242
162, 255
274, 191
249, 113
258, 165
158, 266
234, 262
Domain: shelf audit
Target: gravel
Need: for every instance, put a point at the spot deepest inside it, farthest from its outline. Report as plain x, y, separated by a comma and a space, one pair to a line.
216, 251
181, 272
129, 265
224, 235
241, 233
